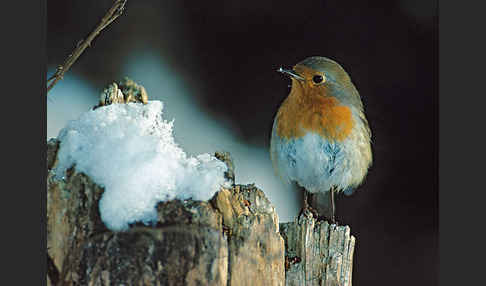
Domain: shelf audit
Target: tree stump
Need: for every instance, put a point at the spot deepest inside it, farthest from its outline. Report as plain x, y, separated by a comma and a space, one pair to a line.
233, 239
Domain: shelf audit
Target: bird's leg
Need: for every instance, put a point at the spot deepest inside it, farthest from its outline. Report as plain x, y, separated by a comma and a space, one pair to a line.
306, 203
333, 205
307, 206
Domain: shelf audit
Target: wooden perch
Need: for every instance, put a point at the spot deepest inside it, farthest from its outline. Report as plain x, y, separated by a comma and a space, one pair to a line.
233, 239
317, 253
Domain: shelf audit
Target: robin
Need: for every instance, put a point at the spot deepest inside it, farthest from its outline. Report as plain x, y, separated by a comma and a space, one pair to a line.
320, 136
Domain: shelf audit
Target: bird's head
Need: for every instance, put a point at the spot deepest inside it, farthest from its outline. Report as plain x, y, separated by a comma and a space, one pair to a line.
322, 77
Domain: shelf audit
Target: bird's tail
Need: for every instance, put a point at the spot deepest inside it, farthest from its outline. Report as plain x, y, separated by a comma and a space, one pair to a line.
322, 203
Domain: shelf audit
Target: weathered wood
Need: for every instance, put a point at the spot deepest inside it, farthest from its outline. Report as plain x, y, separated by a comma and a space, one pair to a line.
234, 239
231, 240
317, 253
256, 249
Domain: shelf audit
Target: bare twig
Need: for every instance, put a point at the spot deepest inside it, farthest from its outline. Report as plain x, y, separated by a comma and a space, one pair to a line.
115, 11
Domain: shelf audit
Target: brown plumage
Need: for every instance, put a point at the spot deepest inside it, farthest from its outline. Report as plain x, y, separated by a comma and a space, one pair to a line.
320, 137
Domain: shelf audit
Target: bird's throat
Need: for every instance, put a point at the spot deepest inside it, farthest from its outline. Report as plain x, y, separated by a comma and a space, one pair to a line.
307, 110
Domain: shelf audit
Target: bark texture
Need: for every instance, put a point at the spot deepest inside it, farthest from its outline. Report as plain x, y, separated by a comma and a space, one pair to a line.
232, 239
317, 253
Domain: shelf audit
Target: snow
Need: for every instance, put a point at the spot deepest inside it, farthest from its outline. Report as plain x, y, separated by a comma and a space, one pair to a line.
129, 149
198, 130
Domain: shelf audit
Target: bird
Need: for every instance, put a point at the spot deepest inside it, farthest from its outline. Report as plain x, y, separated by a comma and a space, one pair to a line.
320, 136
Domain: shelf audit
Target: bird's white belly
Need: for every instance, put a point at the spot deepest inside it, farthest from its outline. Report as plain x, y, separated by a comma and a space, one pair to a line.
317, 164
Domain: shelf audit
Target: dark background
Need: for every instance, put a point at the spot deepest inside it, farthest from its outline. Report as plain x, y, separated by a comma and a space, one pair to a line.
232, 48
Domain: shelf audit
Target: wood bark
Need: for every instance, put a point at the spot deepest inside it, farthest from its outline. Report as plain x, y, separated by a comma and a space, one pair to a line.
317, 253
233, 239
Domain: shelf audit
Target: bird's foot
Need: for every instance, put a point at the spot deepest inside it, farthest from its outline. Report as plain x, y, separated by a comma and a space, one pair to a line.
333, 220
309, 211
330, 220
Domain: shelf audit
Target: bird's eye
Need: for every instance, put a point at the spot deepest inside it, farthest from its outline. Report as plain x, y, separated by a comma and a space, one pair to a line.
318, 78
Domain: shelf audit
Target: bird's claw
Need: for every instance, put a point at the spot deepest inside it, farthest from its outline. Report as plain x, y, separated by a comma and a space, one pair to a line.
308, 211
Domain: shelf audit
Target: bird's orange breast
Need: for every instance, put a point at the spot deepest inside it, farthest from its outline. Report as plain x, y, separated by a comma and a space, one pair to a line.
312, 111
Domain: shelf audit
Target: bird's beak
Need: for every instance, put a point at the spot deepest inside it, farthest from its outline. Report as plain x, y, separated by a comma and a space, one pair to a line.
291, 73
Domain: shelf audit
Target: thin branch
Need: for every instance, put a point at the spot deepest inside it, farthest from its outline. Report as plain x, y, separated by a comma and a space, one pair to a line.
115, 11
